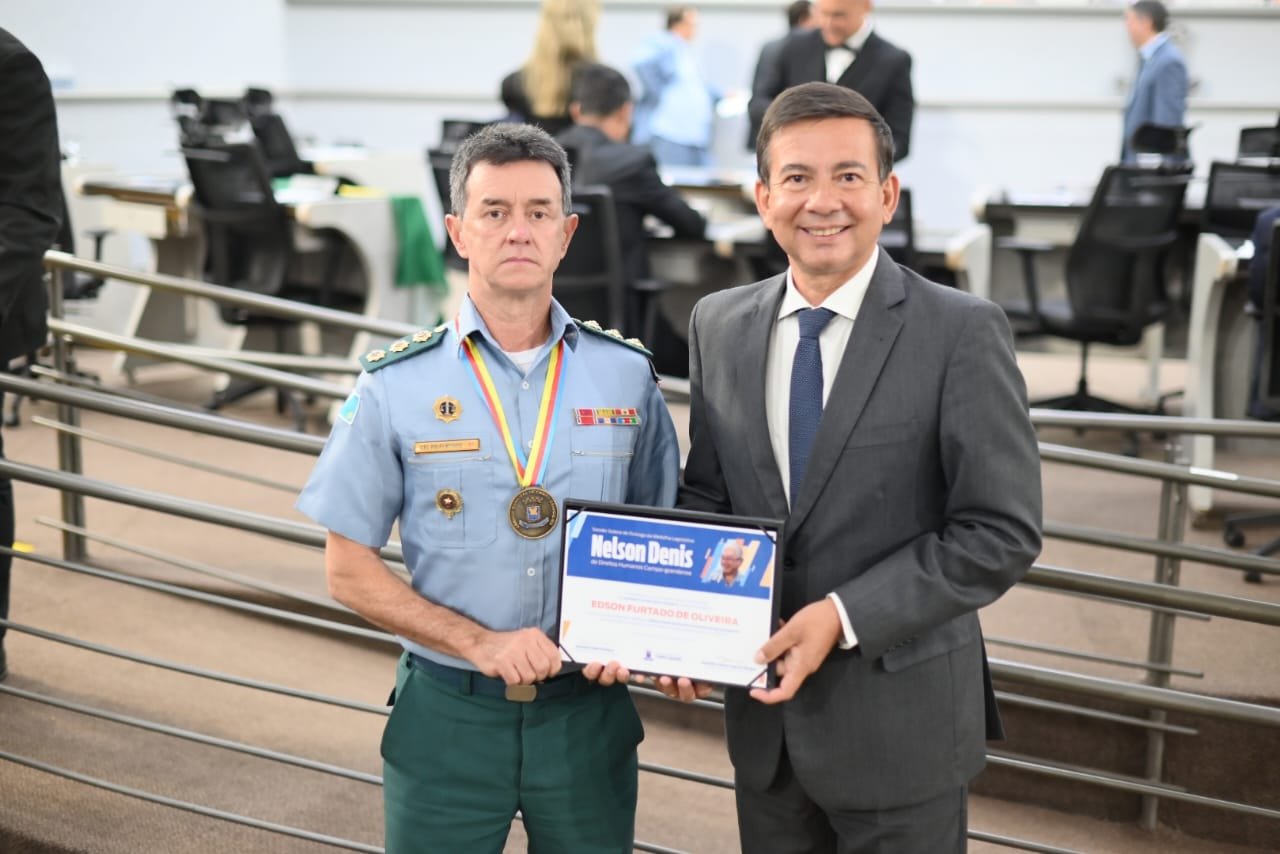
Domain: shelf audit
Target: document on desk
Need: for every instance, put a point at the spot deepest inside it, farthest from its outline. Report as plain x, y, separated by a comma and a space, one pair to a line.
668, 592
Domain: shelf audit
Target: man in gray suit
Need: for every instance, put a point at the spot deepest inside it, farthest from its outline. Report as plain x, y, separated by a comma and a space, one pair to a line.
1159, 94
908, 475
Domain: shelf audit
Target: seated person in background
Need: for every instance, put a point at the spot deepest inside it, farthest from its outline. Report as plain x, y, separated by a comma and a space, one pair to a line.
601, 109
1262, 249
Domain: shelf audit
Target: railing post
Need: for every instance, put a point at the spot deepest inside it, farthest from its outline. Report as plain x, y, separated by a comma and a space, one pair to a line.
1160, 645
74, 546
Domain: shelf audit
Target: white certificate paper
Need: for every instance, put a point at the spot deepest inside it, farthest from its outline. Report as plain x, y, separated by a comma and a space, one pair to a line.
666, 592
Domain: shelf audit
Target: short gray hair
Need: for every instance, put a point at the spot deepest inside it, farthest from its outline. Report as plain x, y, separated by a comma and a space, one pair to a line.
505, 143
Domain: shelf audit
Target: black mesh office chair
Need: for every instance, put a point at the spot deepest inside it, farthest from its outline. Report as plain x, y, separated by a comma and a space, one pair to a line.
1259, 141
1236, 194
1168, 141
439, 161
590, 282
898, 237
251, 247
454, 131
1115, 271
1268, 396
273, 136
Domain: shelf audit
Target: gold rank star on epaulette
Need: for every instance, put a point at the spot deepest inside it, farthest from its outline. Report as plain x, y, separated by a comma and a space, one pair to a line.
403, 348
613, 335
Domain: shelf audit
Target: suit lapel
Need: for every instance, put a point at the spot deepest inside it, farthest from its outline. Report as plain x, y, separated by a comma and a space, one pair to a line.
869, 346
862, 66
757, 332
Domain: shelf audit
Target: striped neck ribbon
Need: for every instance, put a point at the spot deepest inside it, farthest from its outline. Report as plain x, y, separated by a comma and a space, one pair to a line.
530, 470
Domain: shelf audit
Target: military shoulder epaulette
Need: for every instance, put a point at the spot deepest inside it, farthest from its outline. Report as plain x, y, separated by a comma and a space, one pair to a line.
403, 348
613, 335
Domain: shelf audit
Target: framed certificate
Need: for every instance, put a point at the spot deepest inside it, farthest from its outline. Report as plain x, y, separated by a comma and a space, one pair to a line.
669, 591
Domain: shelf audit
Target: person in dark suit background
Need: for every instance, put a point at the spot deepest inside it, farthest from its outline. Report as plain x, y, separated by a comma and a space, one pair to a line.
884, 418
799, 19
31, 211
601, 108
845, 50
1159, 93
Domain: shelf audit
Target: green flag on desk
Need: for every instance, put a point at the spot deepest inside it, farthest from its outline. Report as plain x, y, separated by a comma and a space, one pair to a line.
418, 262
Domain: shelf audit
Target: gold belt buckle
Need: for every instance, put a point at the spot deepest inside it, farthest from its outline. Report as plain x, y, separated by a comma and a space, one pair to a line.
522, 693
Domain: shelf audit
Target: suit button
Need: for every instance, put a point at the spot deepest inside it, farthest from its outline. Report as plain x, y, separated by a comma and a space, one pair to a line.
789, 563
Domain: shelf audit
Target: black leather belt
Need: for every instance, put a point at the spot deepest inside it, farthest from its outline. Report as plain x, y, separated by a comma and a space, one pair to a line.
474, 682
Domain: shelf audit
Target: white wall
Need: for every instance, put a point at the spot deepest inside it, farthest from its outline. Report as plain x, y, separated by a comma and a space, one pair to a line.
1026, 98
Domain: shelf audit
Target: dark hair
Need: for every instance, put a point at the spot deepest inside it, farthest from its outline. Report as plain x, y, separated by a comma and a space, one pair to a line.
676, 14
798, 11
813, 101
599, 90
1154, 11
501, 144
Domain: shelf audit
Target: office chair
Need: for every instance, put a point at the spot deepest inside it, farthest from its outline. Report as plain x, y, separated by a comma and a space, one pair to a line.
1259, 141
454, 131
1114, 274
1170, 142
1268, 396
590, 282
898, 238
273, 136
439, 161
251, 247
1236, 194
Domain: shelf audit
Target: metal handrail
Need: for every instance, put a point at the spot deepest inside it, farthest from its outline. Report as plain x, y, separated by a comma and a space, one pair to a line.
1172, 424
1213, 604
1170, 472
259, 303
142, 347
1162, 548
200, 422
282, 529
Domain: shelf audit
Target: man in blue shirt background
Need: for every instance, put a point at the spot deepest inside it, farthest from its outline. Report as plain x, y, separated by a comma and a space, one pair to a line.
675, 111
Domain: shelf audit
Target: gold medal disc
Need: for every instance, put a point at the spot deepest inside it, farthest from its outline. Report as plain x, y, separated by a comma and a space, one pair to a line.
533, 513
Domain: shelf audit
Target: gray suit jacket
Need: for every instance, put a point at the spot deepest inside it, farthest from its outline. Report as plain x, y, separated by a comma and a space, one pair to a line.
921, 505
1158, 97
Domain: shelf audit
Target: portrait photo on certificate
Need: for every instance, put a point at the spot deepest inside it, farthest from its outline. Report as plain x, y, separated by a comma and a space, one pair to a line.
668, 592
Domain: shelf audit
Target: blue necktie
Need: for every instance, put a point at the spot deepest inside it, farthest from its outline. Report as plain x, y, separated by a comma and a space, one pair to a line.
806, 393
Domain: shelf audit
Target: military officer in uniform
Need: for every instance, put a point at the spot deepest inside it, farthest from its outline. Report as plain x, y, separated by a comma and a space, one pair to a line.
472, 435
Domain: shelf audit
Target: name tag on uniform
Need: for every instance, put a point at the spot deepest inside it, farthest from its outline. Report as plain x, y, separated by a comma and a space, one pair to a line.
446, 446
607, 417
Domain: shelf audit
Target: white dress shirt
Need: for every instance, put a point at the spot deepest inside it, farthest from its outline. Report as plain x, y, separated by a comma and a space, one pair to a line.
840, 58
845, 302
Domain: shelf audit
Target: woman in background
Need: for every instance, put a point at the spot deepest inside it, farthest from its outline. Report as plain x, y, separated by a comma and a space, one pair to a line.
538, 92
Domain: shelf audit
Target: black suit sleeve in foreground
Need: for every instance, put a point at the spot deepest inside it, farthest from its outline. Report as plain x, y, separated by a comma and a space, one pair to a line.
30, 194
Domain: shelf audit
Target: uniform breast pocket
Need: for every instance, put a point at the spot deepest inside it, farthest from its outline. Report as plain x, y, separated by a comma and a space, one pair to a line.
599, 460
454, 500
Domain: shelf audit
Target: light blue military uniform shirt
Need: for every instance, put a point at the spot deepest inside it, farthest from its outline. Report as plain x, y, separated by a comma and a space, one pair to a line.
384, 461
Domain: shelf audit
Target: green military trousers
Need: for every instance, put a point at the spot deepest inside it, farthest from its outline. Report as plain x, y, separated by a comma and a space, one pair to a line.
458, 765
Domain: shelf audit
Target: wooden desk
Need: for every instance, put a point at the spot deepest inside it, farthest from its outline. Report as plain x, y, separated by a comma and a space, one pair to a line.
1218, 274
160, 208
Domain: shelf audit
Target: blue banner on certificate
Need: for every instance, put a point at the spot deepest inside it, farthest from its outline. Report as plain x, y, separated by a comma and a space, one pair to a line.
668, 591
